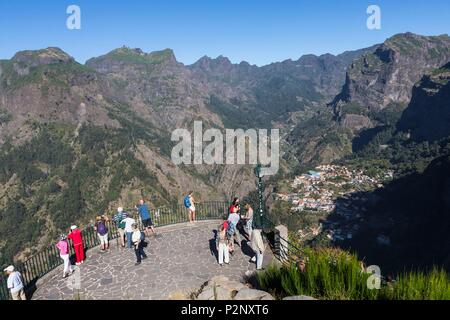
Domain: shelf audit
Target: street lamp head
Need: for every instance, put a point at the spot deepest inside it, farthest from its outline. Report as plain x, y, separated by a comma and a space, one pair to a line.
258, 171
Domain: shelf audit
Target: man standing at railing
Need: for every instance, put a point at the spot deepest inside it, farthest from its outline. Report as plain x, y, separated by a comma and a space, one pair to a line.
129, 221
77, 240
258, 247
15, 284
144, 212
118, 219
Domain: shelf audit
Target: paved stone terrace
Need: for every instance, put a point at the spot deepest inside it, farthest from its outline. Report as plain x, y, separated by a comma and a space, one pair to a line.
180, 260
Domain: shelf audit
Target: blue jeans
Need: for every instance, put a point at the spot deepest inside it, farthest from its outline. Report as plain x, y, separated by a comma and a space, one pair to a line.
129, 242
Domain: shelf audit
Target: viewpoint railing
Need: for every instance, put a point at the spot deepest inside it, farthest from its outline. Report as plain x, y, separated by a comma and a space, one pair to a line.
284, 250
48, 259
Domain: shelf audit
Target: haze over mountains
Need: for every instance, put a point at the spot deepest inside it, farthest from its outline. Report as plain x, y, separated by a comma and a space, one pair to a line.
77, 139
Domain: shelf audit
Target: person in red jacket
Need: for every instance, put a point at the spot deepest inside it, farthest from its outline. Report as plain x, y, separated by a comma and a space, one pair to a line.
77, 240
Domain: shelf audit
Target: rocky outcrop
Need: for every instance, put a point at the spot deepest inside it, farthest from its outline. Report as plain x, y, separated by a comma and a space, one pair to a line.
355, 121
387, 75
427, 117
222, 288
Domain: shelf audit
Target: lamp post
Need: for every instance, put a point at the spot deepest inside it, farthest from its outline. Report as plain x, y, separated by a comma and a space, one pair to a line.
260, 217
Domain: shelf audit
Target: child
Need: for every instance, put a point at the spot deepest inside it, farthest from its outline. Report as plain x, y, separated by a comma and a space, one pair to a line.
63, 247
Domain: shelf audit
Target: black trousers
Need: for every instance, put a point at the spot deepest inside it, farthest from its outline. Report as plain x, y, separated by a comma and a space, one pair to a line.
139, 251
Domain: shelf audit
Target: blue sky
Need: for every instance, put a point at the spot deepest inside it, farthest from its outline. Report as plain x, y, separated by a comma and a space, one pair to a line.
257, 31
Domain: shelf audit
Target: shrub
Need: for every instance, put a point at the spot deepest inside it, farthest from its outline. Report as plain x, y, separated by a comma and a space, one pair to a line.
336, 274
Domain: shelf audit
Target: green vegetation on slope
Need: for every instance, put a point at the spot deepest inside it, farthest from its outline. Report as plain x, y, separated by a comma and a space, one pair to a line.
331, 274
62, 178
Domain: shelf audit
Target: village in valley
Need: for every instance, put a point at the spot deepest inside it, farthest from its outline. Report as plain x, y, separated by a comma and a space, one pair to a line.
333, 197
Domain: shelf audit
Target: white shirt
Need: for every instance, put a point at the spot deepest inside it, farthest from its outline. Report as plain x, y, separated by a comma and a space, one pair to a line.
15, 283
234, 218
128, 224
136, 237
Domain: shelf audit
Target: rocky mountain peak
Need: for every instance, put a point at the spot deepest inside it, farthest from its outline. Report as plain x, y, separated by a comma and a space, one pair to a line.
209, 64
117, 58
42, 57
387, 75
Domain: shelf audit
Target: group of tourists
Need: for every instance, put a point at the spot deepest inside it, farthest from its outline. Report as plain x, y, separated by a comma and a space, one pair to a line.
228, 234
128, 231
130, 236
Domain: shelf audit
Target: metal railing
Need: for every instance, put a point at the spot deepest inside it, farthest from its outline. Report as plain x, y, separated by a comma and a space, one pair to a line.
291, 252
48, 259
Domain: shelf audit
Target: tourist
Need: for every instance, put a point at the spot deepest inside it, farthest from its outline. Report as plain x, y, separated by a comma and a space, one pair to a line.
232, 231
102, 232
249, 219
129, 222
63, 247
15, 284
145, 217
258, 247
138, 241
222, 244
189, 203
77, 240
235, 204
118, 219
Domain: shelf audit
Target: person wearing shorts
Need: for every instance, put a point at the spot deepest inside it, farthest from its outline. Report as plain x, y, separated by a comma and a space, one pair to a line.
145, 217
148, 223
119, 220
102, 231
191, 206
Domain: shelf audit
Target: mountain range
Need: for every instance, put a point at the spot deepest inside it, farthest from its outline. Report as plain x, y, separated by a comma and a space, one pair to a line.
78, 140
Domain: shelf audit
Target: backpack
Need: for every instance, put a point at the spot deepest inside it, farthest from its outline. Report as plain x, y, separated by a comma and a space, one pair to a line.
101, 228
119, 219
187, 202
122, 224
231, 229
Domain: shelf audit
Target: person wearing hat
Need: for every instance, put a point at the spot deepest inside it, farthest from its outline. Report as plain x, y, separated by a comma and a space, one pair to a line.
63, 247
118, 219
102, 232
75, 236
15, 284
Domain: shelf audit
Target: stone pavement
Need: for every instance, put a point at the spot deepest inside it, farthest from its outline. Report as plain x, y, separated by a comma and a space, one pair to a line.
180, 260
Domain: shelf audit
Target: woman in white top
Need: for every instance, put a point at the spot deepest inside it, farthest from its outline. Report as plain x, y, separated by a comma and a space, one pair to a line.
129, 229
249, 219
192, 207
